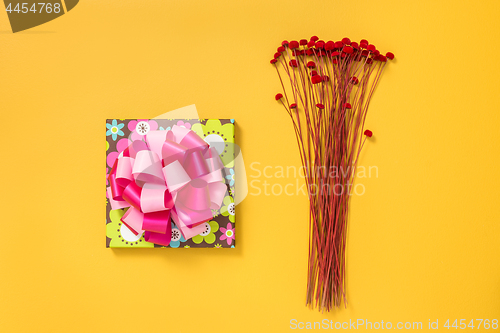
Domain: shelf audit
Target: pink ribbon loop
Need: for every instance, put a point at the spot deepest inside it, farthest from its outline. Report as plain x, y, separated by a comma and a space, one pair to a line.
172, 151
173, 174
160, 238
195, 195
195, 165
155, 222
132, 195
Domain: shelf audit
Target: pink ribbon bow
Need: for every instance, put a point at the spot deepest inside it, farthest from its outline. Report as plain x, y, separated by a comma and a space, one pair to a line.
172, 174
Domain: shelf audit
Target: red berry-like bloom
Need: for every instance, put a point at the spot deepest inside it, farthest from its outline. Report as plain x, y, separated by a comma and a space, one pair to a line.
314, 38
354, 80
278, 97
347, 106
273, 61
363, 41
294, 44
371, 47
311, 44
320, 106
346, 41
320, 44
334, 54
389, 55
368, 133
284, 43
325, 78
369, 61
314, 73
277, 55
293, 106
355, 45
293, 63
311, 64
309, 52
348, 49
281, 49
363, 45
303, 42
329, 45
381, 58
315, 79
376, 52
339, 45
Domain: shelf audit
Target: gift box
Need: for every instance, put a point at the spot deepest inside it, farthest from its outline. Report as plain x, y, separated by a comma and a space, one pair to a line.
170, 183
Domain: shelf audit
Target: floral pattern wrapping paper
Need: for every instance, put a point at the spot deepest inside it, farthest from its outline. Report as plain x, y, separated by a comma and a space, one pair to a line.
220, 230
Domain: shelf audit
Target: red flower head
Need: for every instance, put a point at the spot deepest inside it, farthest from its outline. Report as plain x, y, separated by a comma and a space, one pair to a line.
273, 61
371, 48
354, 80
376, 52
347, 106
348, 49
325, 78
329, 45
389, 55
364, 41
293, 63
315, 79
314, 38
320, 106
277, 55
311, 64
278, 97
363, 44
346, 41
309, 52
314, 73
281, 49
294, 44
339, 45
369, 61
303, 42
311, 44
293, 106
368, 133
284, 43
355, 45
381, 58
320, 44
334, 54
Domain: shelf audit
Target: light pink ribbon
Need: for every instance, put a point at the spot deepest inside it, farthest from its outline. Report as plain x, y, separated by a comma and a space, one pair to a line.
171, 174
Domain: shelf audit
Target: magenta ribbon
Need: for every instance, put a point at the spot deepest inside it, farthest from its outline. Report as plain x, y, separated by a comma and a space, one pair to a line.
172, 174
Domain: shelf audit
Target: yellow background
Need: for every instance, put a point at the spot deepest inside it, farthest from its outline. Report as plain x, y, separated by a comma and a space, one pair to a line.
423, 239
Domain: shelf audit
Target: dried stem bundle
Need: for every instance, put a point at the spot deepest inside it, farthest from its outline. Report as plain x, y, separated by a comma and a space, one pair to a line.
327, 88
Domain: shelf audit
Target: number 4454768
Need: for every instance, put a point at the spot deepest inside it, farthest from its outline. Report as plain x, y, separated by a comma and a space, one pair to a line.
461, 324
42, 7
